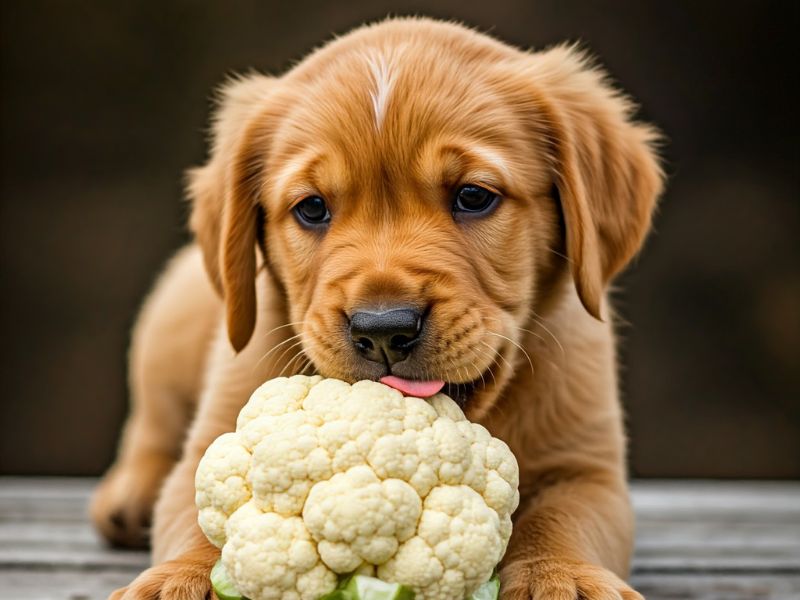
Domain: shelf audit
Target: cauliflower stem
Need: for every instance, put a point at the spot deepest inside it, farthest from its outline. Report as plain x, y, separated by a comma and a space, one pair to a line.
354, 587
363, 587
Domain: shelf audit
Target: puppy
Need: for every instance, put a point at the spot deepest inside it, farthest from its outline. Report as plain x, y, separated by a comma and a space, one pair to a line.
419, 200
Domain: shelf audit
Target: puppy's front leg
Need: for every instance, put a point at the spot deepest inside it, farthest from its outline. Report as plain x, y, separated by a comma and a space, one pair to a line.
190, 556
572, 540
186, 554
182, 555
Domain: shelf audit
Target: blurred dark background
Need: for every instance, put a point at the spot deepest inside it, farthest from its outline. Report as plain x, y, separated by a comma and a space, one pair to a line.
104, 104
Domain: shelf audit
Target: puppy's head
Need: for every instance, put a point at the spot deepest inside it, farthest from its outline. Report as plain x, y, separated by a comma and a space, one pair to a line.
415, 188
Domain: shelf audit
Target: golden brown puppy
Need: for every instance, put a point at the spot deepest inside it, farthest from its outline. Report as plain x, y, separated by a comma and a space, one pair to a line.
414, 198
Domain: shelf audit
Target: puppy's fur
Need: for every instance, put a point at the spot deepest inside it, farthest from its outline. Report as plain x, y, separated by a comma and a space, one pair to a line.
385, 124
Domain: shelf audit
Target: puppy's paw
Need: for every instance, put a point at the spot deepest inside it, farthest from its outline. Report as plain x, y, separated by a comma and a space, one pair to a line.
188, 577
555, 579
122, 505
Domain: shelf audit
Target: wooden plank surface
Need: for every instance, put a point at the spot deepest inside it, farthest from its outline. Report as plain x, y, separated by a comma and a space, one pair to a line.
695, 540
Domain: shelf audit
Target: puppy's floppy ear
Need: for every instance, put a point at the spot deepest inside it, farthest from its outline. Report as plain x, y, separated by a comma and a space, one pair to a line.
604, 167
224, 192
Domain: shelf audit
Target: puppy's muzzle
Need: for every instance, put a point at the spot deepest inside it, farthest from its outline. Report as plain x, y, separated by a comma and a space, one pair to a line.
385, 336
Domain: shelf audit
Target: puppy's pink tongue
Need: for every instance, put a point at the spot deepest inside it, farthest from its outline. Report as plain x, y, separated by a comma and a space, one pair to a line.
418, 389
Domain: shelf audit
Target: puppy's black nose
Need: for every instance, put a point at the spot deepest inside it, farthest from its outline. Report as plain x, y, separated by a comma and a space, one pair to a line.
385, 336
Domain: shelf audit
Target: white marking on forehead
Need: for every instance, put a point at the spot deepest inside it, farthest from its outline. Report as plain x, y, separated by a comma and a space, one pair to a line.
383, 80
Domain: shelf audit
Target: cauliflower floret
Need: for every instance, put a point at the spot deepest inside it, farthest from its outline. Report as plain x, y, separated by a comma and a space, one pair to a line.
221, 485
458, 543
271, 557
335, 511
324, 478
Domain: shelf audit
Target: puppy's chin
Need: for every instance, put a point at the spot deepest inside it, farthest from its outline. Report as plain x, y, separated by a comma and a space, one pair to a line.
462, 393
475, 398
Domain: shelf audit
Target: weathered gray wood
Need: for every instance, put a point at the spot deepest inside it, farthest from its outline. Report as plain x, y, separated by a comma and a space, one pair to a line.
27, 584
48, 550
717, 527
695, 540
730, 586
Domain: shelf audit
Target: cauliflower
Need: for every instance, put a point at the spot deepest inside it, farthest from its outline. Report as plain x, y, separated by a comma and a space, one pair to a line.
323, 478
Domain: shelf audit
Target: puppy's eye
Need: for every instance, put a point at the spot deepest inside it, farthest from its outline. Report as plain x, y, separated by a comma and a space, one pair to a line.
312, 211
473, 200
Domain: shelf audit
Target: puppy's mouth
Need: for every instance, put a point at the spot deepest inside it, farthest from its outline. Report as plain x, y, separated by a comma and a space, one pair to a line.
413, 387
460, 392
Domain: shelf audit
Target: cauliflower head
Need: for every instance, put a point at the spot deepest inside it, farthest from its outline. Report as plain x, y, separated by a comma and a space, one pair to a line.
323, 478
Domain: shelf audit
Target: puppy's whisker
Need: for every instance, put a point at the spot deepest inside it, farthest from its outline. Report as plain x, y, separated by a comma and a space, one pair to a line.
493, 359
284, 353
489, 368
533, 333
483, 381
540, 322
304, 364
560, 254
301, 355
498, 355
274, 329
494, 379
295, 356
521, 349
472, 364
452, 367
309, 364
279, 345
275, 347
